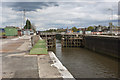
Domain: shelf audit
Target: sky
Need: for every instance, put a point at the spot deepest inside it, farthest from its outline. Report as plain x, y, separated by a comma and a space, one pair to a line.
59, 14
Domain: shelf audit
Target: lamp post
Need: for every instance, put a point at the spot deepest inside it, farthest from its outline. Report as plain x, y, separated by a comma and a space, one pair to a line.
111, 20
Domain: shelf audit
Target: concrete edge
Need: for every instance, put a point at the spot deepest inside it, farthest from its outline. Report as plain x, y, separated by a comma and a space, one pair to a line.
62, 69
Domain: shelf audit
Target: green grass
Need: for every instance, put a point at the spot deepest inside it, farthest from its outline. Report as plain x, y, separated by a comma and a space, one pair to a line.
38, 51
41, 41
39, 48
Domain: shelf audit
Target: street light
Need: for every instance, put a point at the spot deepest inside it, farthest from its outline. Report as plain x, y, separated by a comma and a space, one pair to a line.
111, 19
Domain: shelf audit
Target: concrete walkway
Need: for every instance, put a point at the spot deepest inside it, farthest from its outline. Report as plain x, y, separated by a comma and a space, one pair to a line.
15, 62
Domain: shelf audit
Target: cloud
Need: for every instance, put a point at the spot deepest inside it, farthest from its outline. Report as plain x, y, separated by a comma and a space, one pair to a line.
60, 0
28, 6
60, 14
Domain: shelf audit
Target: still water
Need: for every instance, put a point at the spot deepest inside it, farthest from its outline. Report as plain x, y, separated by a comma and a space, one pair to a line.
83, 63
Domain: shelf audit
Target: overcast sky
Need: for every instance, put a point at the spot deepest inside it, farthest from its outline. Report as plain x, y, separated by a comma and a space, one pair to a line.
59, 14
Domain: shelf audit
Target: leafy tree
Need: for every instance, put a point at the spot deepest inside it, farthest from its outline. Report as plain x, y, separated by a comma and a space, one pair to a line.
105, 26
74, 29
28, 25
90, 28
51, 30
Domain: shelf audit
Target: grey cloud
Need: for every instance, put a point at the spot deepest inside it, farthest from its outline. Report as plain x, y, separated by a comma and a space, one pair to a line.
28, 6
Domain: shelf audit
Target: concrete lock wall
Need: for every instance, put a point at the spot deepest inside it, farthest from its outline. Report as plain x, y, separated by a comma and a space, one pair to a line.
105, 45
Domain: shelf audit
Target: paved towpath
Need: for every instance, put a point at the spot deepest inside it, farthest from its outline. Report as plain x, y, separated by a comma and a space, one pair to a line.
15, 62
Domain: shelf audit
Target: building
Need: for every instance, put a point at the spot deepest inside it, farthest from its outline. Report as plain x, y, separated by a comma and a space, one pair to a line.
19, 32
27, 32
11, 31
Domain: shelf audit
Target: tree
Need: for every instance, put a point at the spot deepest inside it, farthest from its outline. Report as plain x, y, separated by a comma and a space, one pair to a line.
90, 28
28, 25
51, 30
74, 29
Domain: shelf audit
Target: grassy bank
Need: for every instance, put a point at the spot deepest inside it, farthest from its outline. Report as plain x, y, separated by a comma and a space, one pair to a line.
39, 48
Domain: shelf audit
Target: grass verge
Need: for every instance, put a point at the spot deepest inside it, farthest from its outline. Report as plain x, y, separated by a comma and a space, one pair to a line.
39, 48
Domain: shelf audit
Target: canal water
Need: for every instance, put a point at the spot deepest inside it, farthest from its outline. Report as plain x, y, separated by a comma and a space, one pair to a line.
83, 63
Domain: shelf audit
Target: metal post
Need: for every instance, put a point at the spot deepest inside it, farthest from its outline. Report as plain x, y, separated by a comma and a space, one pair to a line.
21, 20
24, 16
111, 20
